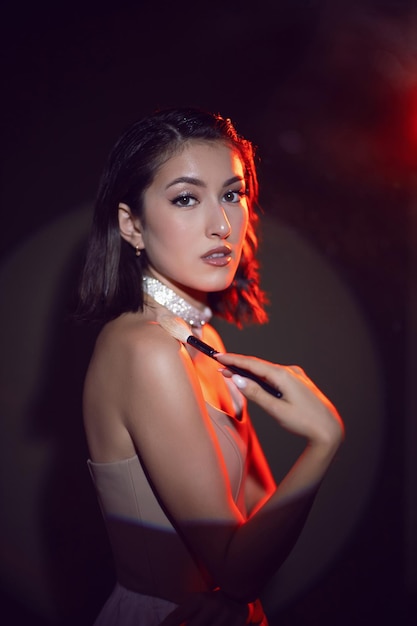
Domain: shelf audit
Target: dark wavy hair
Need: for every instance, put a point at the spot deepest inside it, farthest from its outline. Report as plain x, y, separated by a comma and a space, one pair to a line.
111, 282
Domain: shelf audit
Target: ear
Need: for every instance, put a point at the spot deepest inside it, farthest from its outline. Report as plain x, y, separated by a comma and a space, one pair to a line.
130, 227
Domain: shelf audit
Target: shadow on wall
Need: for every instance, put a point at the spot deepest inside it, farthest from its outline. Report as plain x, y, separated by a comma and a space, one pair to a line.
78, 562
57, 557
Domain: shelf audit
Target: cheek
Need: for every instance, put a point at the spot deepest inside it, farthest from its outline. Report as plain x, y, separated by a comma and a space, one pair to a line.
241, 225
168, 233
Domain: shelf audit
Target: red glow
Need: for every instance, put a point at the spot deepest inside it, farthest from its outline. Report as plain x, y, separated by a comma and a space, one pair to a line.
395, 141
413, 119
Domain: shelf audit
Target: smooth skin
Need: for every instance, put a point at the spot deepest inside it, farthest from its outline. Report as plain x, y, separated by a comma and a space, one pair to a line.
139, 376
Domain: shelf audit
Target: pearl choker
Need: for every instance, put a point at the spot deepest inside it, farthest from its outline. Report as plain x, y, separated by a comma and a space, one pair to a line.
173, 302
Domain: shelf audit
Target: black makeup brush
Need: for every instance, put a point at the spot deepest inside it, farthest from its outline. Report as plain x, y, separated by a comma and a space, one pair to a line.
180, 330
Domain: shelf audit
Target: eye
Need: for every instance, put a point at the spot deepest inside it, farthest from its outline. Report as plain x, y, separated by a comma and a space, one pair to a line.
234, 196
184, 200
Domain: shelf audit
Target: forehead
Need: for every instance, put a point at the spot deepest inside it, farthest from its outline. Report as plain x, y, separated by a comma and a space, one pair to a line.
204, 160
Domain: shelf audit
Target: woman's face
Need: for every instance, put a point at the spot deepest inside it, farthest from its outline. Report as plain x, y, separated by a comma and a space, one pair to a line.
195, 219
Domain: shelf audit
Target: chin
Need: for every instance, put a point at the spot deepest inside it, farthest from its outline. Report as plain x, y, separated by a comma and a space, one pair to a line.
219, 285
207, 284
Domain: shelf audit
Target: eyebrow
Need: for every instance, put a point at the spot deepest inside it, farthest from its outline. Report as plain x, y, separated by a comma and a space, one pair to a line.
190, 180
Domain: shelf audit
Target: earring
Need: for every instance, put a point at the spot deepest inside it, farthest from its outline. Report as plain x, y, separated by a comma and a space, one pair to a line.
137, 250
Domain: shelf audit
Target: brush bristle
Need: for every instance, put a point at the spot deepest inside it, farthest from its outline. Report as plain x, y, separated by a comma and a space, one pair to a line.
175, 326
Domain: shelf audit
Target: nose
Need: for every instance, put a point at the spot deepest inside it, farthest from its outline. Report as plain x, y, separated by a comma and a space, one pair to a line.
219, 225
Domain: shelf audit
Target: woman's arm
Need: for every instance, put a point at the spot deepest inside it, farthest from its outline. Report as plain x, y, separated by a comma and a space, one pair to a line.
165, 414
260, 483
305, 411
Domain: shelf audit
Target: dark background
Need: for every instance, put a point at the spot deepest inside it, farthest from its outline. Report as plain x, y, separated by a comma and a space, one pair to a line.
328, 91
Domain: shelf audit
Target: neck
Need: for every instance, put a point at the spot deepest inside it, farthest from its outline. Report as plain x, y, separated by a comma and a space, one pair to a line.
176, 304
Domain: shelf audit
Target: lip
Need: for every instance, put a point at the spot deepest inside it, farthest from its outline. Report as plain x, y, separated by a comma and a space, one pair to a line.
220, 256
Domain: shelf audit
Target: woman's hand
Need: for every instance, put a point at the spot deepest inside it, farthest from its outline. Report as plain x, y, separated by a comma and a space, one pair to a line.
214, 608
303, 409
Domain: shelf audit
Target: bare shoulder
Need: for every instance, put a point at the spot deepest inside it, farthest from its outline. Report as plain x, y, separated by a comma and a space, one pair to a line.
134, 358
138, 355
131, 337
135, 371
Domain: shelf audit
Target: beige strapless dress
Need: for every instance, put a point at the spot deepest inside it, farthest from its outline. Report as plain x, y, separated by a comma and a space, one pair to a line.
155, 570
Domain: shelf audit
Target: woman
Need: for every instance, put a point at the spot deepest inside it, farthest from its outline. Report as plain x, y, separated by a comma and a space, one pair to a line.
193, 513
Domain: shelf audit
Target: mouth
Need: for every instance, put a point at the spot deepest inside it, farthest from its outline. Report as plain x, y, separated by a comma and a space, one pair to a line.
218, 256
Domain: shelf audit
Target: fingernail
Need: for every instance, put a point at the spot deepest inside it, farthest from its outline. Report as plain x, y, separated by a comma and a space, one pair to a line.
239, 381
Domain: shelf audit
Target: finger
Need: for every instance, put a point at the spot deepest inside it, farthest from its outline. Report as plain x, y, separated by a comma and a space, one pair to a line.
250, 363
225, 372
273, 373
254, 392
262, 372
285, 378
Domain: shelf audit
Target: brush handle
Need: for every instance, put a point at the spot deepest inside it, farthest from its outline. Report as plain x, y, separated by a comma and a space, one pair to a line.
262, 383
201, 346
209, 351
